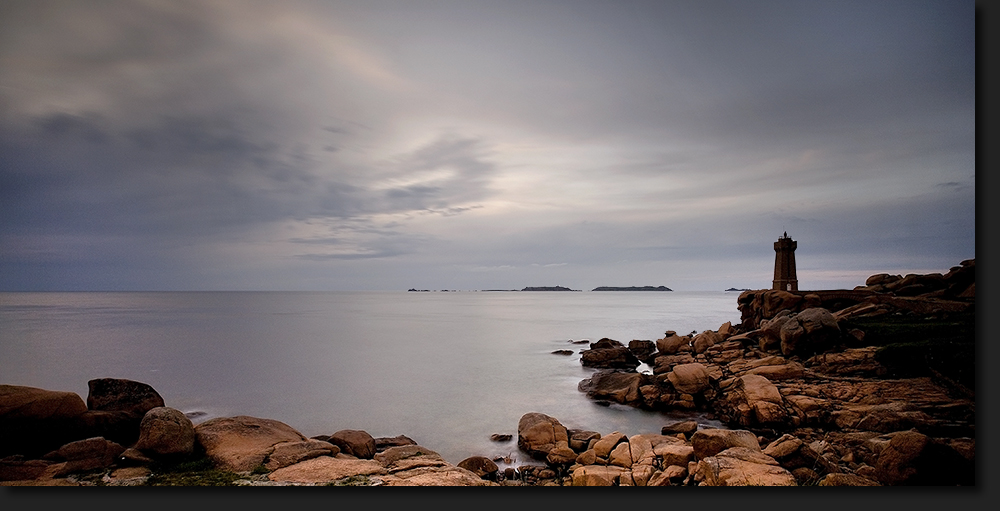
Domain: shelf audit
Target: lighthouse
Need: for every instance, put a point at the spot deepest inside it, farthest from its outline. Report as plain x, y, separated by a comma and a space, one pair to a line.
784, 264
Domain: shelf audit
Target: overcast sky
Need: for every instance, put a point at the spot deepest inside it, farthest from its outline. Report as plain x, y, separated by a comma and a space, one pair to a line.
384, 145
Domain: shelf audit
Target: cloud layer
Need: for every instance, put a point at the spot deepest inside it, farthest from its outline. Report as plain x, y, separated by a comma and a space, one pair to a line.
482, 145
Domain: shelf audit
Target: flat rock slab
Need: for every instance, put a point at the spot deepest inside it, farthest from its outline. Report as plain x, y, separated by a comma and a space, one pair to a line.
327, 469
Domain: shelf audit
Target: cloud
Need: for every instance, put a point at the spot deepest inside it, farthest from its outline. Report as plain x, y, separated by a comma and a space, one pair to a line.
140, 141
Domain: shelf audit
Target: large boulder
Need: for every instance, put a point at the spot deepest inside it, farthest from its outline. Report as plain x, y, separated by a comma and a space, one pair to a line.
643, 350
913, 459
711, 441
689, 378
242, 443
742, 466
354, 442
118, 395
811, 331
166, 432
34, 421
672, 343
616, 386
325, 469
537, 434
705, 340
117, 406
482, 466
753, 401
597, 475
289, 453
609, 358
82, 455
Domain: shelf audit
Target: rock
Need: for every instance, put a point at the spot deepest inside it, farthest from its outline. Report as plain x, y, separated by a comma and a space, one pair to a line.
34, 421
850, 362
15, 468
710, 441
792, 453
289, 453
82, 455
675, 454
119, 426
641, 474
324, 469
606, 343
561, 454
642, 350
595, 475
754, 401
588, 457
609, 358
413, 465
383, 443
118, 395
819, 332
621, 455
409, 457
742, 466
607, 443
483, 467
501, 437
669, 476
354, 442
687, 428
705, 340
166, 432
537, 434
616, 386
438, 476
242, 443
579, 440
689, 378
912, 458
672, 344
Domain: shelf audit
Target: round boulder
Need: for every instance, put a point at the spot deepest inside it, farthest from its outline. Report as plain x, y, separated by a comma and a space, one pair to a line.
355, 442
481, 466
166, 432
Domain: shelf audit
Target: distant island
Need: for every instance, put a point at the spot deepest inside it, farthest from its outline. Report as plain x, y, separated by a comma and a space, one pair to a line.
632, 288
734, 289
548, 288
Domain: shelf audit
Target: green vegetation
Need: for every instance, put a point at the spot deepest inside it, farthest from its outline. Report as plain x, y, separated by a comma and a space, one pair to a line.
198, 472
910, 346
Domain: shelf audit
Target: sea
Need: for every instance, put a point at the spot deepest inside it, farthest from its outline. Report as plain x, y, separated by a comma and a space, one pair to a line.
447, 369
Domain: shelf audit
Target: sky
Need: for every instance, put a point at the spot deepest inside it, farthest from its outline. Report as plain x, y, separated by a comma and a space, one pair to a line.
472, 145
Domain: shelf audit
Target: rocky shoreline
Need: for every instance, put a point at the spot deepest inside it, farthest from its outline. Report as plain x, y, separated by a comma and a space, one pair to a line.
817, 388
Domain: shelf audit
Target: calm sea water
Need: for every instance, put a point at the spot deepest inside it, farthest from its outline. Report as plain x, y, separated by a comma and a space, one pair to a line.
447, 369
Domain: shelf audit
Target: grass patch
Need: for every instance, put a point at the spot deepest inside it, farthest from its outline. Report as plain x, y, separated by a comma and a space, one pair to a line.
197, 472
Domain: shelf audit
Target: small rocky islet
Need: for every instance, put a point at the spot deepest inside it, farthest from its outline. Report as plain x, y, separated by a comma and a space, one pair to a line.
873, 386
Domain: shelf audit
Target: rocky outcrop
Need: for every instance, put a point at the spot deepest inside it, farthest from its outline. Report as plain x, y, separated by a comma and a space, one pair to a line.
798, 365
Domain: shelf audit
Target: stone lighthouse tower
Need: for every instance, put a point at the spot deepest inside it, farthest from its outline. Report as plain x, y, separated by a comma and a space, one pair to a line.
784, 264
